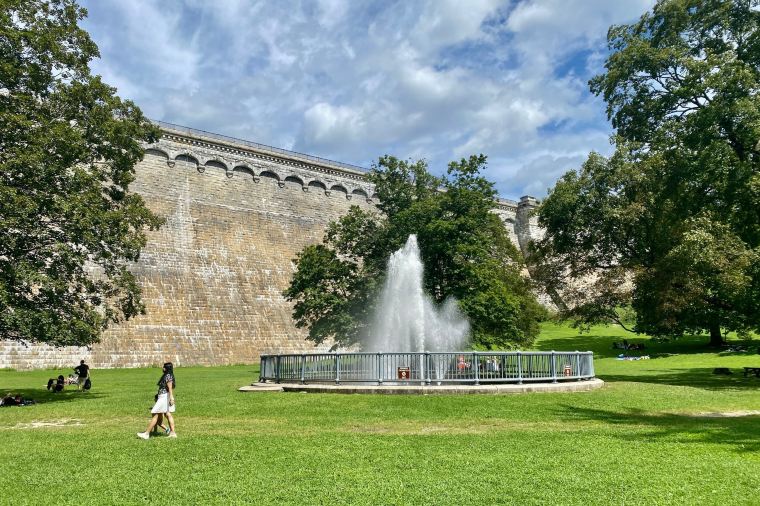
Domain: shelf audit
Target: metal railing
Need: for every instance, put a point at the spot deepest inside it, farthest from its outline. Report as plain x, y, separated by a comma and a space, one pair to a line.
428, 368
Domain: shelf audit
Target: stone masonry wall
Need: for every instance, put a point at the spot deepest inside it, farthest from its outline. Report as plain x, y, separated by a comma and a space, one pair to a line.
212, 277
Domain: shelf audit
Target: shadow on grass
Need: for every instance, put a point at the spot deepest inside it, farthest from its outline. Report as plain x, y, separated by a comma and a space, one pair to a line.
695, 377
43, 396
739, 432
602, 346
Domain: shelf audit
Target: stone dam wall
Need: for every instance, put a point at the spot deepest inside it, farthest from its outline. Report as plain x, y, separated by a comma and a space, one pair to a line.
237, 213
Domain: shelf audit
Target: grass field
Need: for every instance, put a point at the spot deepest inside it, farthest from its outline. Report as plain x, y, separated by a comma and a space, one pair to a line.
649, 436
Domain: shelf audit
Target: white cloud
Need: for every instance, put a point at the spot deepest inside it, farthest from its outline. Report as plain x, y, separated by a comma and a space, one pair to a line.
332, 12
155, 40
327, 123
559, 26
447, 22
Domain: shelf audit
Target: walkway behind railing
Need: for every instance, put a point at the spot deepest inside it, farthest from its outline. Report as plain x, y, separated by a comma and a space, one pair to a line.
428, 368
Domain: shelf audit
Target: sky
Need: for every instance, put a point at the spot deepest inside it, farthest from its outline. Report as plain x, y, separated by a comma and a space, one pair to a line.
351, 80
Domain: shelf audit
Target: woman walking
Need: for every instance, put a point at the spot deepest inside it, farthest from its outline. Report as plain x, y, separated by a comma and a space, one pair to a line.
164, 403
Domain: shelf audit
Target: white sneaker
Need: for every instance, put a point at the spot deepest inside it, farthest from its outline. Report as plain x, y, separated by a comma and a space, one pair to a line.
173, 434
143, 435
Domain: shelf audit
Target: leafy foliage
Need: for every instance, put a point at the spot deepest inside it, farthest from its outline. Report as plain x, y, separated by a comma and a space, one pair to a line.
68, 146
464, 247
670, 224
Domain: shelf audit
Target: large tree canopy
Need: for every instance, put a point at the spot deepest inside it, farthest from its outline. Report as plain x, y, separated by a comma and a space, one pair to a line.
464, 247
670, 224
68, 146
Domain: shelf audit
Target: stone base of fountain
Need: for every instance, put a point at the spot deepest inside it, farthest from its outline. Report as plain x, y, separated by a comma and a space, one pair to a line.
417, 389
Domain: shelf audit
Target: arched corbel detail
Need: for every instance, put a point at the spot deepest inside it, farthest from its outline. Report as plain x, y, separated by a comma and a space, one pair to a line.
218, 163
292, 178
190, 158
171, 162
340, 189
243, 168
156, 151
270, 174
317, 185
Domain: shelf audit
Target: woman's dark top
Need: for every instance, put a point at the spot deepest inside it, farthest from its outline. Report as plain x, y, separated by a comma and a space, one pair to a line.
165, 379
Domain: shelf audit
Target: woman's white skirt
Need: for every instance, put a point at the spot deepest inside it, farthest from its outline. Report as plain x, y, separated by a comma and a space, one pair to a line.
162, 405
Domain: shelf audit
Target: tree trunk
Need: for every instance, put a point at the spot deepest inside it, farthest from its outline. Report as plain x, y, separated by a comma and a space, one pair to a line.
716, 338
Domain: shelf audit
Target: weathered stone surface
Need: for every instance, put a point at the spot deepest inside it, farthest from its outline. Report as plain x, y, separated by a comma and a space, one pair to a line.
237, 214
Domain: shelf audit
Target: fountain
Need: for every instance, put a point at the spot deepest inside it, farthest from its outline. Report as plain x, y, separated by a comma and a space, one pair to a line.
412, 341
406, 319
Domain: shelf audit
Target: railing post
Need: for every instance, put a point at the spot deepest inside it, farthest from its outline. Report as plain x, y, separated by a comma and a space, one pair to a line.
590, 355
519, 368
503, 371
337, 368
303, 369
379, 368
578, 365
554, 367
427, 371
262, 359
476, 365
277, 370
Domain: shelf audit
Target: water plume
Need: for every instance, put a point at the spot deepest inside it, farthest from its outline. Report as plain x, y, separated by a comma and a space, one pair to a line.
406, 319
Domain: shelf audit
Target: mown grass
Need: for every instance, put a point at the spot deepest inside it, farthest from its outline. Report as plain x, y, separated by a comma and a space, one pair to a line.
642, 439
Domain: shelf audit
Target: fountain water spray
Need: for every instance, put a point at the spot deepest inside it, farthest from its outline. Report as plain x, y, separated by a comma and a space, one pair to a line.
407, 320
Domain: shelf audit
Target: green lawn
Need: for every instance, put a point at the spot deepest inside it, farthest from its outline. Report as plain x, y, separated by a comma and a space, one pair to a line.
642, 439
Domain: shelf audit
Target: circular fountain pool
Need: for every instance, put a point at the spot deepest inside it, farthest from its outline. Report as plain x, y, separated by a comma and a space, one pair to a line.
430, 372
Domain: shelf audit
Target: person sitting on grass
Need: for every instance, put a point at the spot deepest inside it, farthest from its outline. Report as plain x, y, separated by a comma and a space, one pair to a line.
15, 400
56, 385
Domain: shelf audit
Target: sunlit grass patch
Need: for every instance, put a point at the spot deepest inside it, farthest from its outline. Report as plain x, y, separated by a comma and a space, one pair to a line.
650, 436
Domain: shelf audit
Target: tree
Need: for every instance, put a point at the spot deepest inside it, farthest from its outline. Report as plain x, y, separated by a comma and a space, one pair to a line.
670, 224
69, 227
464, 247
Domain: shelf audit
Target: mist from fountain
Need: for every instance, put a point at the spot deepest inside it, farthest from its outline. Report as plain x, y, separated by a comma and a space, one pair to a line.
406, 319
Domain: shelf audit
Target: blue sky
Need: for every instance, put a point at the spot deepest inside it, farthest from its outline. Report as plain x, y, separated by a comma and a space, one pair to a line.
351, 80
